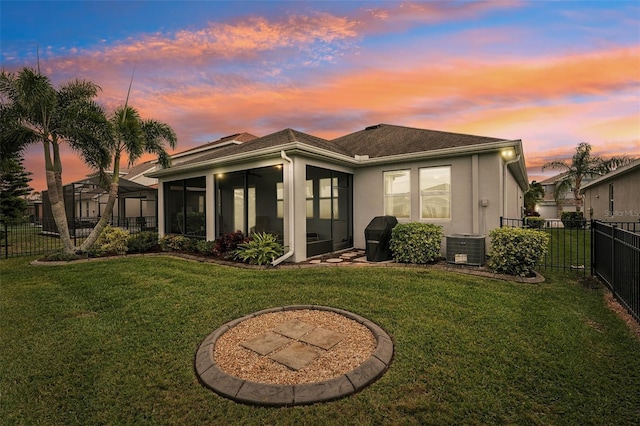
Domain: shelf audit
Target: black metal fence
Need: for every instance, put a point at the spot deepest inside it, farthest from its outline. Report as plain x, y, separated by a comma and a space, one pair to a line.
40, 237
615, 260
569, 247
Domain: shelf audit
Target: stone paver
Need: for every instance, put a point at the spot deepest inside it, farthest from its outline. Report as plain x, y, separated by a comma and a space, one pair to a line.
266, 343
322, 338
294, 329
295, 356
335, 260
240, 390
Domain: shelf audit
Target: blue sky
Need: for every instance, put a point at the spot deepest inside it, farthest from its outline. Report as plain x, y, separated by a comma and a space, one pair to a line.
553, 74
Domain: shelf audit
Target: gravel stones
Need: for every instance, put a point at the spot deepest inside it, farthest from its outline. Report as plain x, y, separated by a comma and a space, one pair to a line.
293, 355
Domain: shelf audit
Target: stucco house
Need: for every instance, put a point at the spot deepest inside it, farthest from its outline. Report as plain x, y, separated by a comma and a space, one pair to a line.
550, 207
614, 197
319, 195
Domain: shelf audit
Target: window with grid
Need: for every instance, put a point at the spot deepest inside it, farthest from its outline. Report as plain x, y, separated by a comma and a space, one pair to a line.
435, 193
397, 193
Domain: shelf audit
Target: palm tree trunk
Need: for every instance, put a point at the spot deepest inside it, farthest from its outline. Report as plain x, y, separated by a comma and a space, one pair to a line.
104, 220
56, 198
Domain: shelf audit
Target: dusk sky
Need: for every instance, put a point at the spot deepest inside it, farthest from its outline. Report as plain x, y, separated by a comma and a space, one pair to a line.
553, 74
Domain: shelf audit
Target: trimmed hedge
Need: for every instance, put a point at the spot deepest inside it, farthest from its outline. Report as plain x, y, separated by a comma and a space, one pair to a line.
175, 243
142, 242
534, 222
516, 251
111, 242
573, 220
416, 242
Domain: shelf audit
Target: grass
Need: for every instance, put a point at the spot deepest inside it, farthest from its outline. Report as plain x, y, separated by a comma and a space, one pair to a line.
27, 239
113, 342
568, 248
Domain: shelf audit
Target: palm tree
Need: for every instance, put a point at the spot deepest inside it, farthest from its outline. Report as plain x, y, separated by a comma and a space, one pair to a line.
131, 135
533, 195
583, 165
34, 111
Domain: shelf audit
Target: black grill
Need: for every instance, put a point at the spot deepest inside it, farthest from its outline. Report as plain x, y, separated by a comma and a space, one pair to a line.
378, 236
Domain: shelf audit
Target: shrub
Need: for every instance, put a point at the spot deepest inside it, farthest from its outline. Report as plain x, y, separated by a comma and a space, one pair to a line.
573, 220
516, 251
111, 242
534, 222
261, 249
61, 256
416, 242
205, 247
226, 244
175, 243
142, 242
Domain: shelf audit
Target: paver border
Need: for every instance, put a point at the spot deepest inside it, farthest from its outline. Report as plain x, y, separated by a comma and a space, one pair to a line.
265, 394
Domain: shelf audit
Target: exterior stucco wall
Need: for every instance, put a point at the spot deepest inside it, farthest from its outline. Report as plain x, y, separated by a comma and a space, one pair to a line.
626, 199
513, 202
476, 180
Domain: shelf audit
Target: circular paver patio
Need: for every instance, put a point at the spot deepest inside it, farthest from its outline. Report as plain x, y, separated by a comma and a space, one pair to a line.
294, 344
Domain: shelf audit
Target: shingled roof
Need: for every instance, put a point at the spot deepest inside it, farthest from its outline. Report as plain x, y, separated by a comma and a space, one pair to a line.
283, 137
384, 140
237, 137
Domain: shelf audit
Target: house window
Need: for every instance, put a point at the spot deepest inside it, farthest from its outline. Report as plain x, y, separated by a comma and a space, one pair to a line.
310, 199
238, 208
397, 194
435, 193
611, 198
279, 200
326, 199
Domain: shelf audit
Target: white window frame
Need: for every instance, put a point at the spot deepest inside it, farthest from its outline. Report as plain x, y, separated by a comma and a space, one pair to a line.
444, 191
391, 197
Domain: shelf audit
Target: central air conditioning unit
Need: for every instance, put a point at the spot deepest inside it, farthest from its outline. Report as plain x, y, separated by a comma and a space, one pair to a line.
465, 249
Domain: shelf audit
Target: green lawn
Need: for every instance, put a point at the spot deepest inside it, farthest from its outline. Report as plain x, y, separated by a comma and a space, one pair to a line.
113, 342
568, 248
27, 239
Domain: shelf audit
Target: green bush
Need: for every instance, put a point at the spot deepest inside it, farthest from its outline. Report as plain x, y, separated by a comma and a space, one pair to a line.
111, 242
205, 247
261, 249
142, 242
534, 222
61, 256
516, 251
416, 242
573, 220
175, 243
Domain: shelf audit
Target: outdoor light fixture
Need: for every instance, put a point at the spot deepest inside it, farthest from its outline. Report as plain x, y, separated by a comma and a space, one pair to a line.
507, 154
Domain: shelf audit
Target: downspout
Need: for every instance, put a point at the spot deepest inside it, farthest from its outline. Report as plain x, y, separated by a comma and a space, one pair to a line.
292, 211
504, 184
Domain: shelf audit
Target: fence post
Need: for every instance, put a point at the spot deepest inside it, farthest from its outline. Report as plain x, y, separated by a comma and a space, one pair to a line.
613, 256
593, 246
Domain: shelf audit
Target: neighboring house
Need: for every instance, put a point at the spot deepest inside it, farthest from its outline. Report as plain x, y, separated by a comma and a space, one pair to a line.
614, 197
136, 207
549, 207
320, 195
85, 200
189, 154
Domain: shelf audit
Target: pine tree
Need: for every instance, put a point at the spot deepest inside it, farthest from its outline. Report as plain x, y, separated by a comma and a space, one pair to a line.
14, 186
